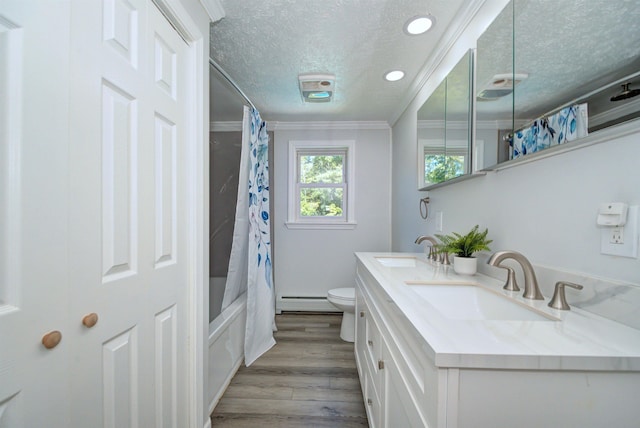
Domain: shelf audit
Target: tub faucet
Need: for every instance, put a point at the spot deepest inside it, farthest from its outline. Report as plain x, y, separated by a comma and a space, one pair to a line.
531, 289
433, 254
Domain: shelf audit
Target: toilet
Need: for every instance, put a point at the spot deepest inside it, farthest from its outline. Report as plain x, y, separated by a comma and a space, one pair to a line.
345, 300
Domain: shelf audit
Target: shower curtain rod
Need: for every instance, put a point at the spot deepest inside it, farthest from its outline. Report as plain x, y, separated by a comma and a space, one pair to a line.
224, 74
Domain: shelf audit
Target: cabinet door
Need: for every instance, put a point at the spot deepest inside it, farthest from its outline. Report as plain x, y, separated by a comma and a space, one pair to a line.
368, 353
372, 402
399, 407
360, 340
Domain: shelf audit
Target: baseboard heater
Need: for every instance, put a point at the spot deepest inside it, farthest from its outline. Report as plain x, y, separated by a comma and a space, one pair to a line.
304, 303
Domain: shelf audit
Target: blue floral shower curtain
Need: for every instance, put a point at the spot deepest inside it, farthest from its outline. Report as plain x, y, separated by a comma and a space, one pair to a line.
544, 132
260, 293
250, 261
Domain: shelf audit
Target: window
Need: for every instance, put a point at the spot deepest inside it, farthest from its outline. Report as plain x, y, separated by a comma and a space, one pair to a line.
438, 164
321, 184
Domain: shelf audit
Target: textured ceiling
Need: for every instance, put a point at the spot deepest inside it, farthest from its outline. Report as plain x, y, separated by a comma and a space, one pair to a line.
265, 44
568, 48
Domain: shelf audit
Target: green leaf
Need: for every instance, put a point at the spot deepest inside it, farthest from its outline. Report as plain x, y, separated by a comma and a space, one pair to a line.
464, 245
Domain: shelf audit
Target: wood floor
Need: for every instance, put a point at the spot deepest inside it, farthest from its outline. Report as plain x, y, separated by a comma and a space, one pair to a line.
309, 379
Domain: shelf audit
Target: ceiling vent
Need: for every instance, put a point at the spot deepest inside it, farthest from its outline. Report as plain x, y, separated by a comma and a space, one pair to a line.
500, 85
317, 88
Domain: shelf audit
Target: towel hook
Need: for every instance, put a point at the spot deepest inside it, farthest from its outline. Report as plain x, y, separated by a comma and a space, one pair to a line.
424, 213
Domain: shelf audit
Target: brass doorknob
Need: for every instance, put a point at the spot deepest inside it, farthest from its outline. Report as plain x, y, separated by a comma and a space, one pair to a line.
90, 320
51, 339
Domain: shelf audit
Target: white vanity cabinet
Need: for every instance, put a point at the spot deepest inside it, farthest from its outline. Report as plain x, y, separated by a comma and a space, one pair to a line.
392, 380
367, 357
418, 370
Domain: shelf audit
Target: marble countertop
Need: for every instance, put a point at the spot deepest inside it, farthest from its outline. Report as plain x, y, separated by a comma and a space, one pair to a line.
569, 340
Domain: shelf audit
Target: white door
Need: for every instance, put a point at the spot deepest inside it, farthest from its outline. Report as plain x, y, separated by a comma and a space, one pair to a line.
34, 96
128, 252
92, 215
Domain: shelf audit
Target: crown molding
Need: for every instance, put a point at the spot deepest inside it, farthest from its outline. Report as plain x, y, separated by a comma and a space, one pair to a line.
300, 126
451, 36
440, 124
214, 9
494, 124
229, 126
615, 113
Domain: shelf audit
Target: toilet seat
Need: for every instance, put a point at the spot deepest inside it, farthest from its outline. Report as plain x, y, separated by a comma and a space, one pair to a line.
345, 295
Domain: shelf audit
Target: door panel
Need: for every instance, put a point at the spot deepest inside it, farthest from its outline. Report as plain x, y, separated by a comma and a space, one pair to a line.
165, 66
92, 182
120, 29
120, 380
165, 191
10, 126
33, 185
119, 184
128, 182
166, 367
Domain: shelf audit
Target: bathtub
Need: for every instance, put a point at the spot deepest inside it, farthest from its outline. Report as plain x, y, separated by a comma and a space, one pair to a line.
216, 293
226, 344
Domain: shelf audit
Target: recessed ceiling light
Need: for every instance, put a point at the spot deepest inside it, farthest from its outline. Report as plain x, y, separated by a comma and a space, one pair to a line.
394, 75
419, 24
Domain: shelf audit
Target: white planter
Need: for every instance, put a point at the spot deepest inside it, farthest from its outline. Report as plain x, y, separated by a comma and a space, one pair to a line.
465, 265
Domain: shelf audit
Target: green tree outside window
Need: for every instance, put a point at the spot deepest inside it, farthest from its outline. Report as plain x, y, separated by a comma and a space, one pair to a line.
438, 168
321, 180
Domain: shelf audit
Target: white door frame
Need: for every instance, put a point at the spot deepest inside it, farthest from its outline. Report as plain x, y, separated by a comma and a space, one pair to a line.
197, 209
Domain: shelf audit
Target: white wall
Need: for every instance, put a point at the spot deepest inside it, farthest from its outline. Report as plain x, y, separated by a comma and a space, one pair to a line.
310, 262
407, 224
545, 209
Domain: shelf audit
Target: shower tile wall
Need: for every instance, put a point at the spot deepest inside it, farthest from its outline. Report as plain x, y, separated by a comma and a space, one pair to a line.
224, 157
224, 160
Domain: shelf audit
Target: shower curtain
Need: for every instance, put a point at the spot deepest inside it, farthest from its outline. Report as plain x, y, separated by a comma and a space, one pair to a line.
250, 261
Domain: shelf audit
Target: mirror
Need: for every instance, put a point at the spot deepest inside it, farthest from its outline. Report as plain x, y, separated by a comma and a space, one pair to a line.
444, 128
545, 64
494, 95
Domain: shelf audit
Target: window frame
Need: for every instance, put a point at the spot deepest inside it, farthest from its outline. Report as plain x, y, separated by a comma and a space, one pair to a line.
437, 147
297, 149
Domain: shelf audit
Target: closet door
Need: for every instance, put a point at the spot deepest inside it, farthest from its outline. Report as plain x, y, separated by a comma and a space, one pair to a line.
128, 275
93, 255
34, 62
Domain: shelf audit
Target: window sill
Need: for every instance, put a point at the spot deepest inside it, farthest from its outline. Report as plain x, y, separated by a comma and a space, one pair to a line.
316, 225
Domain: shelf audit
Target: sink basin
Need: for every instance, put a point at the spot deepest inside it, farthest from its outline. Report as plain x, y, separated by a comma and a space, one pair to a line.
397, 261
472, 302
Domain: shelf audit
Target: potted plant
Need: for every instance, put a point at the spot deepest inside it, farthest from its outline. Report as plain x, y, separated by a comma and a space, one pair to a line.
464, 246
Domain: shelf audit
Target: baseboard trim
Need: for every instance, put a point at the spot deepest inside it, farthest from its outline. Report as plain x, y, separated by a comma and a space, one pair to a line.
218, 396
304, 304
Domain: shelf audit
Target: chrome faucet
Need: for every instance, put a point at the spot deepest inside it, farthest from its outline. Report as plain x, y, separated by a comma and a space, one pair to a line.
531, 289
433, 254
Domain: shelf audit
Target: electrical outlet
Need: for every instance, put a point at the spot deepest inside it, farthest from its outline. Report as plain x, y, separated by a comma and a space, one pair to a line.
622, 241
617, 235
